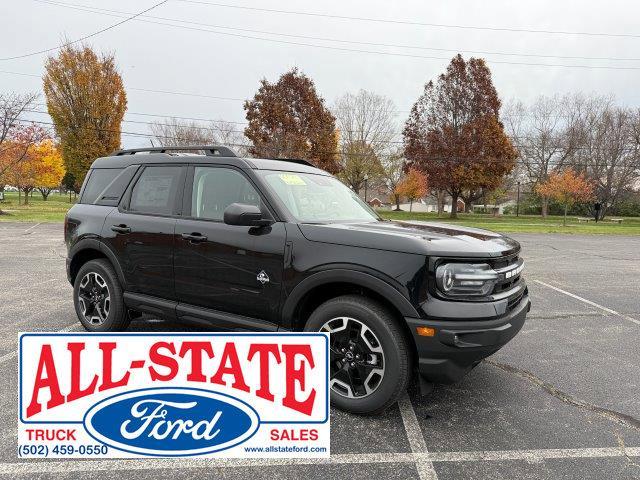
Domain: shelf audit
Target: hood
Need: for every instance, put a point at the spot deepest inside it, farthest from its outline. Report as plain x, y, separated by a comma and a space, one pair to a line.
423, 238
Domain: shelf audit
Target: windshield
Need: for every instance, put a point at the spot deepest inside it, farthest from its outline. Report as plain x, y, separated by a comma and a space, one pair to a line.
314, 198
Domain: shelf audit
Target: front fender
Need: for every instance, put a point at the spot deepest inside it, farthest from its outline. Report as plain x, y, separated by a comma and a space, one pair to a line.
341, 275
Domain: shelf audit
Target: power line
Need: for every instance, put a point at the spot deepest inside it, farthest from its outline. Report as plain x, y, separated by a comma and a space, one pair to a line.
354, 50
408, 22
338, 40
146, 90
86, 36
191, 94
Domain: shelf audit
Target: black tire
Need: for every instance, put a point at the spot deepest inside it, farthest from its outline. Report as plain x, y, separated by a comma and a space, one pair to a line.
116, 318
395, 350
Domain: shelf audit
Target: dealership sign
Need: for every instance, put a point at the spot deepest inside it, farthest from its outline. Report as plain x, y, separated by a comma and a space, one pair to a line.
173, 395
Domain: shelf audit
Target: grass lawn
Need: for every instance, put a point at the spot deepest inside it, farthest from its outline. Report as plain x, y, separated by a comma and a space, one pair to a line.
525, 223
53, 210
38, 210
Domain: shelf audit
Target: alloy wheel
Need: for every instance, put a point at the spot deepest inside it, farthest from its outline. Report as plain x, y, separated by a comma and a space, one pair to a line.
94, 298
356, 358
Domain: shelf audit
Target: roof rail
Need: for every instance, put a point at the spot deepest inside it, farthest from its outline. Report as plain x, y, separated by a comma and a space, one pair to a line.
210, 150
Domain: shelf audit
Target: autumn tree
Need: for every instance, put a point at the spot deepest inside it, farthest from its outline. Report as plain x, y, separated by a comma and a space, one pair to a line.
360, 164
288, 119
366, 122
393, 172
454, 135
567, 188
413, 186
51, 171
16, 136
86, 100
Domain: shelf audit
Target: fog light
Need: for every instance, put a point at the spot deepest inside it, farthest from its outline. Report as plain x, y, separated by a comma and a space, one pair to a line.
426, 331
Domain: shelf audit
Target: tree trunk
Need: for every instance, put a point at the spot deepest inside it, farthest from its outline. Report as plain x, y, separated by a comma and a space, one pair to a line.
440, 201
26, 197
410, 204
397, 199
19, 195
545, 206
454, 206
45, 193
564, 220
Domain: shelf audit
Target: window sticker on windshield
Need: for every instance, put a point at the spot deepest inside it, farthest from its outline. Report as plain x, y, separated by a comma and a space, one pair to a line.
291, 179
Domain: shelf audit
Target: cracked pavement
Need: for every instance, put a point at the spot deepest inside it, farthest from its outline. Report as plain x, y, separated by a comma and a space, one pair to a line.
561, 400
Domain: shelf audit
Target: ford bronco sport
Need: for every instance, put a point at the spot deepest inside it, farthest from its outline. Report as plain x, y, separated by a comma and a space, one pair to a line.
275, 245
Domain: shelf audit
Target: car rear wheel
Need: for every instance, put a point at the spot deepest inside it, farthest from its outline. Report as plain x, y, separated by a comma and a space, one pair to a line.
97, 296
369, 357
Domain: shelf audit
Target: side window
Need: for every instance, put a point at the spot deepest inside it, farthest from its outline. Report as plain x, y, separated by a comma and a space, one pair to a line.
99, 179
214, 189
110, 196
155, 191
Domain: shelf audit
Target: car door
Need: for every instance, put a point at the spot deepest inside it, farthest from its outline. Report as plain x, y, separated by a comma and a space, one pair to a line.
234, 269
141, 231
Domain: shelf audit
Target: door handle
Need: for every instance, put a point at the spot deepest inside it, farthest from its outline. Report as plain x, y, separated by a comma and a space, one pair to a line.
121, 228
194, 237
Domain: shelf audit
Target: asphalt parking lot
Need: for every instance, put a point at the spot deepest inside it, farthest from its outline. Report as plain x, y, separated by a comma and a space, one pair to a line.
562, 400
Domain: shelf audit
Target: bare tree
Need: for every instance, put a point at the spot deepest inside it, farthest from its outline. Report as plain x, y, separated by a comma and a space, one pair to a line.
366, 123
609, 153
172, 132
545, 134
12, 107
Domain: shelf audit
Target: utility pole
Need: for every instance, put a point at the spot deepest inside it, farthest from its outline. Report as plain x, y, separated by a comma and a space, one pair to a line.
366, 178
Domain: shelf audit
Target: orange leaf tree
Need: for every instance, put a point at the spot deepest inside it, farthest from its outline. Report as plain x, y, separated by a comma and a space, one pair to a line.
86, 100
289, 119
51, 170
413, 186
567, 188
453, 133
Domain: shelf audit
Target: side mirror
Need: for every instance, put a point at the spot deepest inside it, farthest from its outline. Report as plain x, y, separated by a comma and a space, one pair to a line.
245, 215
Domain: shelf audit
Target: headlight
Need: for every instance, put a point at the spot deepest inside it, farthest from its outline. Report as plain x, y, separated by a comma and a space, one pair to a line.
466, 279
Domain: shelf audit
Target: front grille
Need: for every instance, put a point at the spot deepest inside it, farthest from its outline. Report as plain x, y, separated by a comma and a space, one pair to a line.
505, 266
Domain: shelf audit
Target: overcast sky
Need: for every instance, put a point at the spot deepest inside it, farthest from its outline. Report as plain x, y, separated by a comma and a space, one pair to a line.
162, 57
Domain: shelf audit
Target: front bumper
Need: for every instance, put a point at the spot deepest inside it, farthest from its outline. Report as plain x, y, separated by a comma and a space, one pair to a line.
458, 346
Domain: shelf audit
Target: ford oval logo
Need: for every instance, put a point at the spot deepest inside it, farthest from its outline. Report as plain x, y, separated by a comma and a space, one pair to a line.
171, 421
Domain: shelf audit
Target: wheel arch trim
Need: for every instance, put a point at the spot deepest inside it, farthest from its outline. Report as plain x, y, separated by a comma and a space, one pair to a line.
95, 244
342, 275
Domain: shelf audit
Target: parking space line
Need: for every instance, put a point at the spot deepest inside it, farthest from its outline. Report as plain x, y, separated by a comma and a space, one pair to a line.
589, 302
8, 356
543, 454
32, 227
416, 439
86, 466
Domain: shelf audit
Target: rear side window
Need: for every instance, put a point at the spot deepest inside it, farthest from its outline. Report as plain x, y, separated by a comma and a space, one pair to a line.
110, 196
155, 191
98, 180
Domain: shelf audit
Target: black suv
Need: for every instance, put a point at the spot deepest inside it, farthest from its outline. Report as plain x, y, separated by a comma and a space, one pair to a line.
278, 245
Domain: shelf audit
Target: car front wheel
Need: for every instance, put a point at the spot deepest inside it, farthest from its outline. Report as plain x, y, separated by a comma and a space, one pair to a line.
369, 360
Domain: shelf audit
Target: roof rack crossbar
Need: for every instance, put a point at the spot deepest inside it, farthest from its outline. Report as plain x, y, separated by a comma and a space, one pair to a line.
209, 150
